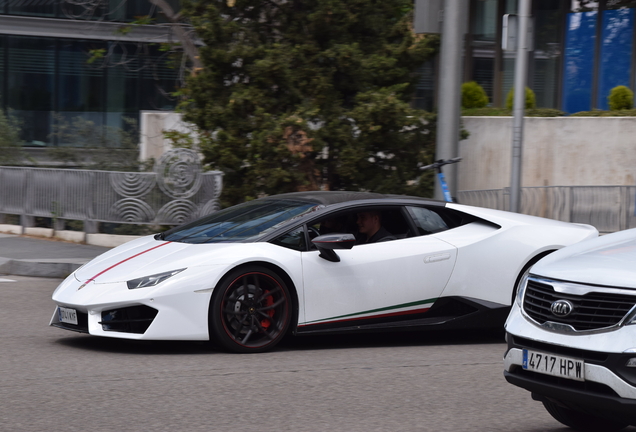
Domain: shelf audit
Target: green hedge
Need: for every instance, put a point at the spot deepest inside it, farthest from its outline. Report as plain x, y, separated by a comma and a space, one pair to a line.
600, 113
502, 112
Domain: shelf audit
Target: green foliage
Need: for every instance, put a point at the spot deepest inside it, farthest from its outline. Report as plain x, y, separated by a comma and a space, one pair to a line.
600, 113
95, 55
127, 229
143, 20
494, 112
11, 219
530, 99
473, 95
10, 144
543, 112
620, 98
139, 20
180, 139
110, 148
309, 94
124, 30
74, 225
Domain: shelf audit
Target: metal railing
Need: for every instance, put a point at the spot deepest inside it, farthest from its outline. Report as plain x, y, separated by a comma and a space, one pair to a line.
608, 208
176, 192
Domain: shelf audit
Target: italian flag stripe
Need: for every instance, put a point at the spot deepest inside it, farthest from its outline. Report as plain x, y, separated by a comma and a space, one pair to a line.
378, 313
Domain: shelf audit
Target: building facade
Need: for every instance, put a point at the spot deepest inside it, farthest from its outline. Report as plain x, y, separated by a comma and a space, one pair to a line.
47, 77
580, 51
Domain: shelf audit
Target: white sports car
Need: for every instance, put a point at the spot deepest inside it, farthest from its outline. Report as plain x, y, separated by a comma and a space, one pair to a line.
301, 263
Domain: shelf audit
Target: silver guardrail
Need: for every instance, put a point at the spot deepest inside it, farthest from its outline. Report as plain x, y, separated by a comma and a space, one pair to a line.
608, 208
176, 192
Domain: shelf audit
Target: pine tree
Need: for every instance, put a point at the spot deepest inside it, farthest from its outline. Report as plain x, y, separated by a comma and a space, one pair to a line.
307, 94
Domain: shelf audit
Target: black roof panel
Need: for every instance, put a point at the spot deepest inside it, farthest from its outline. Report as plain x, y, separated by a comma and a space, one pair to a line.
336, 197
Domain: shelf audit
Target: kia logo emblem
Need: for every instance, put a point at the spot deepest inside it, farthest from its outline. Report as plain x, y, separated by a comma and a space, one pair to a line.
561, 308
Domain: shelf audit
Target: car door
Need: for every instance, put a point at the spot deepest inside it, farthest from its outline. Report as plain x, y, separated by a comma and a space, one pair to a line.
386, 280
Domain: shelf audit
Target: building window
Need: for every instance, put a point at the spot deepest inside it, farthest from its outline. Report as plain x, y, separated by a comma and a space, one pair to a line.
30, 81
80, 86
49, 83
40, 8
425, 87
581, 50
578, 71
113, 10
617, 34
483, 26
548, 18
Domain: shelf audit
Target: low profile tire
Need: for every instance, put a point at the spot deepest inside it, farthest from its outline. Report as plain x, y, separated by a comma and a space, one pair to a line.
250, 310
582, 421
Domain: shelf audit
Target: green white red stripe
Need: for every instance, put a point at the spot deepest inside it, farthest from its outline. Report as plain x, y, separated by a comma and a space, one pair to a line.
385, 312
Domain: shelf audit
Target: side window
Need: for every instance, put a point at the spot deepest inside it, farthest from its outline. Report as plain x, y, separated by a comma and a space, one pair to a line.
427, 221
367, 224
294, 239
340, 223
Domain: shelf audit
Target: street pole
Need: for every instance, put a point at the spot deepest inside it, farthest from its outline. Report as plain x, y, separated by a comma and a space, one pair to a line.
450, 71
521, 71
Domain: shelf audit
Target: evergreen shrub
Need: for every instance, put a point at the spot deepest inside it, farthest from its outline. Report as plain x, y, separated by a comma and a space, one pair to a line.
530, 99
621, 98
473, 95
499, 112
600, 113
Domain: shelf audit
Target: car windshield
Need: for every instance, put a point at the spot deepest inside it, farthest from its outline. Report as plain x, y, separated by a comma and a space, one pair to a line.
242, 222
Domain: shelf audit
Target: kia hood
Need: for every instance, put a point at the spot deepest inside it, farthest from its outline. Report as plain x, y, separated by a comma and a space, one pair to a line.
608, 260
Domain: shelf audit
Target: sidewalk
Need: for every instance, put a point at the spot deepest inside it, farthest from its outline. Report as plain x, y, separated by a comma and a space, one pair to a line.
28, 256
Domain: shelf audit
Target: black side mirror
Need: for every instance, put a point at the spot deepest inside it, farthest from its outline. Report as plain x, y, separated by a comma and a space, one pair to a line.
328, 242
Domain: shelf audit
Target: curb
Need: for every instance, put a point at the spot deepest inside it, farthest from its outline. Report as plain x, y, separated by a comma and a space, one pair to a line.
41, 268
79, 237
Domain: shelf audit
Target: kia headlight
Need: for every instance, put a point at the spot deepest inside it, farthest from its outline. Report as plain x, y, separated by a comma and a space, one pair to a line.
153, 280
522, 289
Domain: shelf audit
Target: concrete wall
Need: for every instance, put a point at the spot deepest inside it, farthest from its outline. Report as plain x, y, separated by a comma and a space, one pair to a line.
557, 151
152, 125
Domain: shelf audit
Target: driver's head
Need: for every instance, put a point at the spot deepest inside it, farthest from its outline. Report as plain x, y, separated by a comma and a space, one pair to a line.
368, 223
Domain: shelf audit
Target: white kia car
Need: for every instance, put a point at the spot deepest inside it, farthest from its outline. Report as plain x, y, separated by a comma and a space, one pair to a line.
572, 333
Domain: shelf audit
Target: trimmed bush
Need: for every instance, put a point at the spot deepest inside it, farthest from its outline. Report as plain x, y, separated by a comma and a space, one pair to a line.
473, 95
530, 99
621, 98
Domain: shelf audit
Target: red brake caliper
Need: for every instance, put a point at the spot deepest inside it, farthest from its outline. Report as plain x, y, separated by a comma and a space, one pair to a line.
268, 301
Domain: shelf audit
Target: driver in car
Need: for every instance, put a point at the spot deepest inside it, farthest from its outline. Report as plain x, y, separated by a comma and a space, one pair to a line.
370, 225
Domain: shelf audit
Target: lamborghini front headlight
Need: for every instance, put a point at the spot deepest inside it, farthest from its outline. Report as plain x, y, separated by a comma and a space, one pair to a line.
153, 280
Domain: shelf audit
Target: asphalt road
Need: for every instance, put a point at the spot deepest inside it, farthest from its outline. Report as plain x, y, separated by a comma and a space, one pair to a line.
54, 380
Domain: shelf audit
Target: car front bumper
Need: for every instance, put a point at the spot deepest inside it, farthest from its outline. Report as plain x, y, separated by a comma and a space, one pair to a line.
608, 390
177, 309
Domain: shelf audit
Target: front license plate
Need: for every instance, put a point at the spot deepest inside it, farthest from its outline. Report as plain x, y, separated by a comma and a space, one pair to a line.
67, 315
564, 367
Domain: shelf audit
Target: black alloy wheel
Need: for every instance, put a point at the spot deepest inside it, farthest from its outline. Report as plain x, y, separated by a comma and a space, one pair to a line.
250, 310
